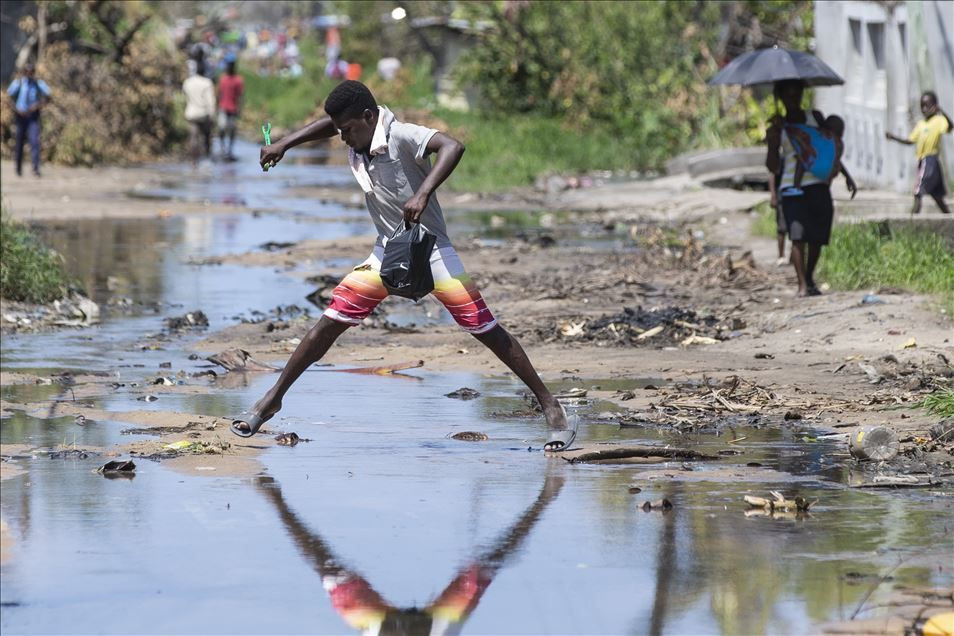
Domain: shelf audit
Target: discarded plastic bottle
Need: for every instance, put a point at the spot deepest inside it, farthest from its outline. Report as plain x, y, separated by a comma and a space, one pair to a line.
876, 443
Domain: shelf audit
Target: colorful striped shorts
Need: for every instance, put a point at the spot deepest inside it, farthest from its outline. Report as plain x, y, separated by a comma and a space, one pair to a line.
359, 293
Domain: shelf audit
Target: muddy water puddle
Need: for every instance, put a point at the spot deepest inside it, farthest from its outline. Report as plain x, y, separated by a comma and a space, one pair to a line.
383, 518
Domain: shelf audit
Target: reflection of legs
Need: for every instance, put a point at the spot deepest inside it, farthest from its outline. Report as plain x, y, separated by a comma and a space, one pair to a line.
309, 350
353, 598
512, 354
360, 605
798, 261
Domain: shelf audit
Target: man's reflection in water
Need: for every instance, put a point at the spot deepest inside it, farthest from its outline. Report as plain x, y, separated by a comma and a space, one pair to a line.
364, 609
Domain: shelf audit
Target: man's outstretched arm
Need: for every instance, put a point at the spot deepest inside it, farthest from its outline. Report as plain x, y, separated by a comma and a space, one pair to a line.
449, 151
319, 129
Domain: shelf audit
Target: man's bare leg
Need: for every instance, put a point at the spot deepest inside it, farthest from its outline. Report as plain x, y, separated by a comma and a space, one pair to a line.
310, 350
941, 204
798, 261
512, 354
916, 208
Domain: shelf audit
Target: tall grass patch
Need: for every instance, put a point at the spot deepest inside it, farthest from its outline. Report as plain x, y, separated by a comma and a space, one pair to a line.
940, 403
874, 255
29, 271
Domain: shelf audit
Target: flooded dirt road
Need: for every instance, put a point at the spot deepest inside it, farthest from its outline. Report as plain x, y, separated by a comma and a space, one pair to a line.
381, 521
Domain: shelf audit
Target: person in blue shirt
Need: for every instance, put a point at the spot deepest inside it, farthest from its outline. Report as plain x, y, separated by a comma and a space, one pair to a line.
29, 96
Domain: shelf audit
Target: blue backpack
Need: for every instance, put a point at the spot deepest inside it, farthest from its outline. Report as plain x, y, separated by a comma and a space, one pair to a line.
816, 149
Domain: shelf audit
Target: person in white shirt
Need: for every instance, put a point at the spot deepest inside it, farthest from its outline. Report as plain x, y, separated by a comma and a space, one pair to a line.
199, 112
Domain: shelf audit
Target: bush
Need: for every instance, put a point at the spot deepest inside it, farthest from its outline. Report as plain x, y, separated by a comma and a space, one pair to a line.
106, 108
29, 271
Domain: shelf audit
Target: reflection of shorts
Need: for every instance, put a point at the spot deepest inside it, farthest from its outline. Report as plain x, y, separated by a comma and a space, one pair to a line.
930, 179
359, 293
227, 121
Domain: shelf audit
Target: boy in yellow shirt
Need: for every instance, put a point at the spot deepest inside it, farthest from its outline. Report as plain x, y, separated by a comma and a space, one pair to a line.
926, 139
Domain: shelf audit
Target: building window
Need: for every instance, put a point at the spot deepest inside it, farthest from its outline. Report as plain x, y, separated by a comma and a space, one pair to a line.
876, 37
855, 35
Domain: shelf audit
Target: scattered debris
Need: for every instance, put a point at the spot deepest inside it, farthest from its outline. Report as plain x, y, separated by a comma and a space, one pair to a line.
193, 319
662, 326
470, 436
70, 453
630, 454
635, 490
127, 467
287, 439
876, 443
779, 502
571, 394
659, 504
239, 360
764, 356
384, 370
274, 246
463, 393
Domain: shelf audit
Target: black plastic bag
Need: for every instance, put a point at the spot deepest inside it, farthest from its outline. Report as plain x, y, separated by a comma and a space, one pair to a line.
406, 265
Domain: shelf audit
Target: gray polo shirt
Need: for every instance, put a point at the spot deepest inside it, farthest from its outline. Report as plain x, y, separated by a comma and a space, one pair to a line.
395, 177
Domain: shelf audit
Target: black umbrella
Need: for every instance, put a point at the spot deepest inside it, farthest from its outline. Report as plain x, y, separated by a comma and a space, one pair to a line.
767, 66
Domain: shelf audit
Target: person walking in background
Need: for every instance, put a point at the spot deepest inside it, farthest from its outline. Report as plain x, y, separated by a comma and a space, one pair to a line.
199, 112
926, 139
29, 95
809, 211
231, 91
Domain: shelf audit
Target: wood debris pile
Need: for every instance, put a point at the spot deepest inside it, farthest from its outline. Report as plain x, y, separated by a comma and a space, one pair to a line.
659, 326
726, 272
734, 401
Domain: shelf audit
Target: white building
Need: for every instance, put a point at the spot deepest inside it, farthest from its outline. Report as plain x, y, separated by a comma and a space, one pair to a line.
889, 52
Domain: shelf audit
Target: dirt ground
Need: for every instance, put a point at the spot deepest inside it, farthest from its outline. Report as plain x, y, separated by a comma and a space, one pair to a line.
701, 306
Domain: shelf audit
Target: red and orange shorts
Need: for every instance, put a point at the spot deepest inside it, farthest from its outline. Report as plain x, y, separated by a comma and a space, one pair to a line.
359, 293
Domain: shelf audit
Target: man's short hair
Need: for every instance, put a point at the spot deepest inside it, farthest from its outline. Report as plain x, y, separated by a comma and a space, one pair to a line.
350, 98
930, 95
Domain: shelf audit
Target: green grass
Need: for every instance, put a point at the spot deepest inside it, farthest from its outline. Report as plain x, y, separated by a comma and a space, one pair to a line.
507, 151
29, 271
940, 403
863, 255
502, 151
764, 223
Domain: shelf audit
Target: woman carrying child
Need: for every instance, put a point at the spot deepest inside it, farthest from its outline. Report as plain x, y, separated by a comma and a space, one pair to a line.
808, 209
